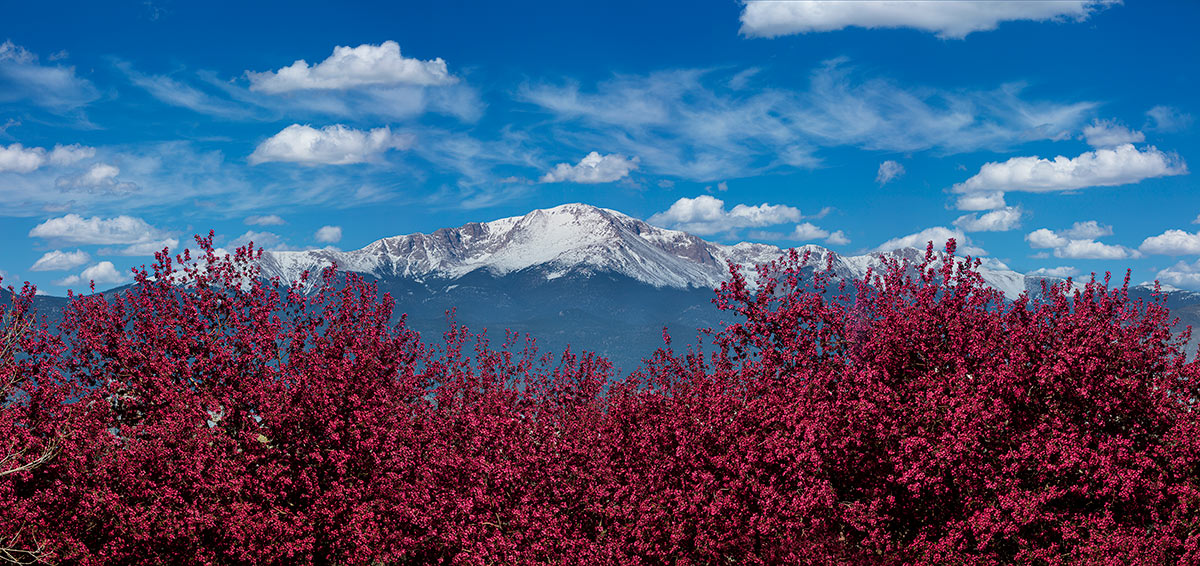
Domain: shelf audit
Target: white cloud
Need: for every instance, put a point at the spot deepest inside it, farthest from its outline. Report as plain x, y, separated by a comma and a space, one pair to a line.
55, 88
980, 201
331, 145
265, 220
1172, 242
58, 260
1091, 249
1078, 243
1122, 165
145, 248
96, 230
938, 235
707, 215
262, 240
98, 177
1061, 271
1181, 274
593, 168
838, 238
689, 124
1001, 220
1168, 119
20, 159
949, 19
352, 67
1109, 133
888, 170
809, 231
329, 234
1087, 230
1045, 238
103, 273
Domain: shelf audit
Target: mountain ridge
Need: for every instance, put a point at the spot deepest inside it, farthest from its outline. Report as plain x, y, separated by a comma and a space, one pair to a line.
580, 238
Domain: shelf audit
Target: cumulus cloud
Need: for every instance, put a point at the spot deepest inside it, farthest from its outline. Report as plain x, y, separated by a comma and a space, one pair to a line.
329, 234
96, 230
1122, 165
888, 170
20, 159
103, 273
948, 19
809, 231
593, 168
707, 215
938, 235
1182, 274
265, 220
331, 145
837, 238
1001, 220
351, 67
98, 177
58, 260
1172, 242
980, 201
54, 87
1109, 133
1045, 238
1078, 242
1088, 229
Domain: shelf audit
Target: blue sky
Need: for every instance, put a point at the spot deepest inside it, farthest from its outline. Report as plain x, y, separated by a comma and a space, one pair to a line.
1053, 135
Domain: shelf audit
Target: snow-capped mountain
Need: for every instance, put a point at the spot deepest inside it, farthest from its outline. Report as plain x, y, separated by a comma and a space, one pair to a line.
580, 239
585, 277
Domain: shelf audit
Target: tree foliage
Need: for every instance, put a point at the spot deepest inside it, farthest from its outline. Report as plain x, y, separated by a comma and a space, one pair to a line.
208, 416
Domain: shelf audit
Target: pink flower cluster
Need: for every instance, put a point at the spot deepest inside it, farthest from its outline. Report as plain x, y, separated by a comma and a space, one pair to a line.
915, 417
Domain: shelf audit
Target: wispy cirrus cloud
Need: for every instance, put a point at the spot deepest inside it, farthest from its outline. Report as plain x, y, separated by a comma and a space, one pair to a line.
692, 124
57, 88
889, 171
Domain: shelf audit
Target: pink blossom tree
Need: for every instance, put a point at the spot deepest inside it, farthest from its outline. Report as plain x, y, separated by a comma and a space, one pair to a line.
208, 416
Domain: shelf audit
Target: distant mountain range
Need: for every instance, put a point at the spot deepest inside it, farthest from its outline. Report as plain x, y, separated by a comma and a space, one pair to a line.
590, 277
